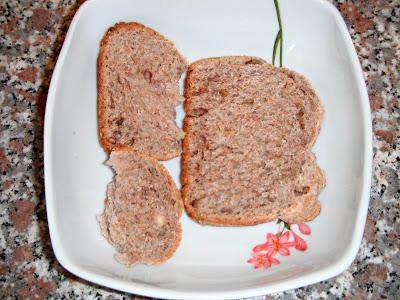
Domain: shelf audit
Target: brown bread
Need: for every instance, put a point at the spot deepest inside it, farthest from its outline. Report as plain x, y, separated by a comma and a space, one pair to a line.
142, 209
249, 128
138, 74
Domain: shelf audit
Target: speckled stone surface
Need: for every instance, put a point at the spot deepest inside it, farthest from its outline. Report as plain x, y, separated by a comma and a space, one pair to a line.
31, 34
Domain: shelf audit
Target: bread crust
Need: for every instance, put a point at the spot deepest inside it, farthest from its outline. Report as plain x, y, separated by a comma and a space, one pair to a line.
292, 217
108, 147
176, 195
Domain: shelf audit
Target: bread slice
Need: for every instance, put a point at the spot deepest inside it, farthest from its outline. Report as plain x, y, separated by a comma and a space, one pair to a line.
142, 209
249, 128
138, 74
294, 199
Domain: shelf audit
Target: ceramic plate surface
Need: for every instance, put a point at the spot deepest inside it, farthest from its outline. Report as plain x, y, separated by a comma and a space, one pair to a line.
211, 261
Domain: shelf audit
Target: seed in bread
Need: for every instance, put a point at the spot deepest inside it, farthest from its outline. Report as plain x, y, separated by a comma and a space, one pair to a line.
249, 129
142, 209
138, 74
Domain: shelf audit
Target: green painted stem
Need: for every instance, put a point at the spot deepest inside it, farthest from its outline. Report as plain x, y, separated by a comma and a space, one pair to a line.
280, 34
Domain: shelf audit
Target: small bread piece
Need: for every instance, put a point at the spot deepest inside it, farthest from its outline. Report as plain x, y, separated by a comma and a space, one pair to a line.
138, 74
142, 209
249, 129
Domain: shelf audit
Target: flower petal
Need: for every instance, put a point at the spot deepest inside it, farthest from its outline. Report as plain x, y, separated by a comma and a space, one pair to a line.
271, 252
271, 238
275, 261
304, 228
300, 243
284, 237
267, 264
263, 247
259, 248
284, 251
288, 244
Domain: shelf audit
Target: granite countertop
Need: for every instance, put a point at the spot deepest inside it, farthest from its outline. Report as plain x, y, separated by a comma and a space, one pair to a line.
31, 34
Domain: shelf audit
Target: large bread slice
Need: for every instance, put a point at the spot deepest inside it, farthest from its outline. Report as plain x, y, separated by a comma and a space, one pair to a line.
249, 128
142, 209
138, 74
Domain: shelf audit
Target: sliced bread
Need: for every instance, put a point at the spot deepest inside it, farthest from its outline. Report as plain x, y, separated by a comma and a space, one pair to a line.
138, 74
233, 201
249, 128
142, 209
277, 106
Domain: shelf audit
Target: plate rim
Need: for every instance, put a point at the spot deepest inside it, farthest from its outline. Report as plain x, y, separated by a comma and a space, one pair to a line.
149, 290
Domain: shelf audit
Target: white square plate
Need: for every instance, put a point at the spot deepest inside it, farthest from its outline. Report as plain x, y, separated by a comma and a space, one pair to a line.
211, 261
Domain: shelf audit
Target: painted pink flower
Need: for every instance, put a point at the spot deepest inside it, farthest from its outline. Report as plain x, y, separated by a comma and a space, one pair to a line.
264, 254
262, 259
276, 243
304, 229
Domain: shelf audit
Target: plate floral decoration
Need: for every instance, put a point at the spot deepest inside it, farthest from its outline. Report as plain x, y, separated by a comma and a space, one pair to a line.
264, 255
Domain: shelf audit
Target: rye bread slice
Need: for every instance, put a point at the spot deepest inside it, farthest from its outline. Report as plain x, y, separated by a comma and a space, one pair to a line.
293, 199
138, 74
142, 209
249, 128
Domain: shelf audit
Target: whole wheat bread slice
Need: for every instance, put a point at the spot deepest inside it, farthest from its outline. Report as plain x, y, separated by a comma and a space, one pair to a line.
138, 74
249, 128
142, 209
